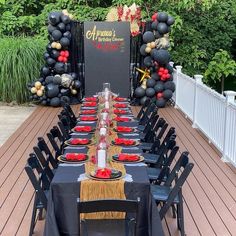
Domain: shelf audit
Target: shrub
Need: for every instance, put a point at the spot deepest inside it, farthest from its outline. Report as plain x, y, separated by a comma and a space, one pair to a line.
20, 62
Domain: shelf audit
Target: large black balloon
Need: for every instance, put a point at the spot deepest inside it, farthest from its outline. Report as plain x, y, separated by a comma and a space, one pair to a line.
67, 34
65, 91
56, 34
52, 90
147, 61
54, 17
49, 79
167, 94
55, 102
62, 27
162, 28
65, 42
148, 37
55, 54
169, 68
151, 83
142, 50
51, 28
139, 92
143, 100
59, 67
50, 61
45, 71
65, 99
160, 102
157, 35
65, 19
77, 84
162, 16
155, 76
171, 20
150, 92
159, 87
162, 56
57, 80
169, 85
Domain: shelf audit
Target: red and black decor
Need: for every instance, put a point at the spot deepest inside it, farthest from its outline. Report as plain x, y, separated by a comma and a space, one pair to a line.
155, 73
58, 81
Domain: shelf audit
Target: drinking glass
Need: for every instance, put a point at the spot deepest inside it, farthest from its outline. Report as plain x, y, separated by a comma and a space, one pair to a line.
106, 87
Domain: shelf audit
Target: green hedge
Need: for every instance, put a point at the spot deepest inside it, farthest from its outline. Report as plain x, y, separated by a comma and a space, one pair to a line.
20, 62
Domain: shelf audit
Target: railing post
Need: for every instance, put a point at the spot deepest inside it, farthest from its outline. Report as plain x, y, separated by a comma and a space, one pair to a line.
198, 80
178, 71
230, 95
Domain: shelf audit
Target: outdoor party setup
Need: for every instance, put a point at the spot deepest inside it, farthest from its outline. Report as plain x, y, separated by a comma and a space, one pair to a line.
129, 54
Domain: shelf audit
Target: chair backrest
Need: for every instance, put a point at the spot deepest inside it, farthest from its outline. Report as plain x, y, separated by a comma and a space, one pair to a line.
57, 140
38, 178
64, 129
151, 122
143, 108
69, 111
151, 107
160, 128
177, 188
71, 120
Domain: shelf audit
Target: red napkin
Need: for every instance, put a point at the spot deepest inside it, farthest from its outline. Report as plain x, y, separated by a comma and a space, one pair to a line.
119, 99
118, 111
88, 112
90, 104
121, 119
120, 105
76, 141
123, 141
90, 99
83, 128
128, 157
88, 118
104, 173
123, 129
75, 156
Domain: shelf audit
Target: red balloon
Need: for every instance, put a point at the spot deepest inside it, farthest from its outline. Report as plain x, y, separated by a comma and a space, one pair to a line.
166, 71
161, 69
65, 59
66, 53
62, 53
60, 58
167, 76
160, 73
159, 95
154, 16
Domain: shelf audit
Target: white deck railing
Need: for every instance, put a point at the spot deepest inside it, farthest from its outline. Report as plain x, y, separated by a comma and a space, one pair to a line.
211, 112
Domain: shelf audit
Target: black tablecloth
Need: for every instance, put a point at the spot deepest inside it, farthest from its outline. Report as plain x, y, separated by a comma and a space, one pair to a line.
62, 218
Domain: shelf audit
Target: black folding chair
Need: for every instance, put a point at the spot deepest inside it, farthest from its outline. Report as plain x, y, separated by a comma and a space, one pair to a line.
143, 108
40, 181
57, 140
168, 195
112, 227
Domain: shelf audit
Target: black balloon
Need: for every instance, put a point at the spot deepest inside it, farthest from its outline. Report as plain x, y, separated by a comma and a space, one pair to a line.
171, 20
157, 35
148, 37
52, 90
59, 67
44, 102
68, 27
45, 71
56, 34
65, 99
65, 91
57, 80
51, 28
77, 84
50, 61
162, 56
162, 28
151, 83
41, 80
155, 76
55, 54
147, 61
49, 48
162, 16
143, 100
139, 92
160, 102
62, 27
159, 87
74, 75
150, 92
65, 19
154, 25
169, 68
65, 42
167, 94
142, 50
46, 55
67, 34
49, 79
169, 85
55, 102
54, 17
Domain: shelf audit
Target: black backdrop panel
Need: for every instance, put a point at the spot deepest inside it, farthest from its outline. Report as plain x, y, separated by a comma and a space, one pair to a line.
107, 56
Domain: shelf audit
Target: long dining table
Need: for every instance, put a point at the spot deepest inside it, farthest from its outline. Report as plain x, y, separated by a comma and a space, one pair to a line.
70, 178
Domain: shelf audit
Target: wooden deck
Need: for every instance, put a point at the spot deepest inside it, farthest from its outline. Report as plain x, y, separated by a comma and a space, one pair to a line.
209, 195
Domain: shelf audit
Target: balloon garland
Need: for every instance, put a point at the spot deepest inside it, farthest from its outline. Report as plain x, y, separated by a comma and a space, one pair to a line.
156, 82
55, 84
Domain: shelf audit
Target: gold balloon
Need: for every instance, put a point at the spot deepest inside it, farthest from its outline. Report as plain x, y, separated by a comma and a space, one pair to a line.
144, 86
58, 46
54, 44
73, 91
37, 85
65, 12
33, 90
148, 49
42, 88
71, 16
149, 45
153, 45
40, 93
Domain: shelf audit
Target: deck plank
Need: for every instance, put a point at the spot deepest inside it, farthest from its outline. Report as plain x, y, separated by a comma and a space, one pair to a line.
209, 194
